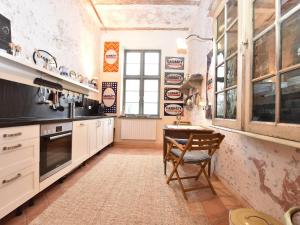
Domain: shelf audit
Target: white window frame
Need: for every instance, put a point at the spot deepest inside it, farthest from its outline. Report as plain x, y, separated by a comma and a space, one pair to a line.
243, 120
237, 122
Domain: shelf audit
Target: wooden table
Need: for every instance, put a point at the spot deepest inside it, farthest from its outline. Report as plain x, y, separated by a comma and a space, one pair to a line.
181, 131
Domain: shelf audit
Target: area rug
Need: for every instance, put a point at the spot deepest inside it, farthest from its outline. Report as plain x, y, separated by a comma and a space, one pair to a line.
119, 190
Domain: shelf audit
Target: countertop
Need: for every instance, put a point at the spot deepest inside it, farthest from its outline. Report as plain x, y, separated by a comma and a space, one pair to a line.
11, 122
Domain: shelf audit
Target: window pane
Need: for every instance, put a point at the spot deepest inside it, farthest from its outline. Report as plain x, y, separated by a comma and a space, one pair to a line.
151, 96
131, 108
152, 69
132, 96
264, 14
151, 108
264, 55
220, 51
231, 11
220, 105
286, 5
290, 97
151, 85
220, 78
151, 91
232, 40
264, 100
291, 41
231, 72
133, 63
220, 24
152, 57
132, 85
133, 57
231, 100
133, 69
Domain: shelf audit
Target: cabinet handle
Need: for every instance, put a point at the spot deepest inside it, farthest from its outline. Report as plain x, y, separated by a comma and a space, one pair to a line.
11, 147
82, 124
12, 179
12, 135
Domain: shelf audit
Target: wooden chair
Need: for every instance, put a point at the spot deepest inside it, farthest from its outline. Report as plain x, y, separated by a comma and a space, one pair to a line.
198, 150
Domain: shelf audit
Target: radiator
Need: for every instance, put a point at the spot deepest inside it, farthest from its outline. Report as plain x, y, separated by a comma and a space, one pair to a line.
138, 129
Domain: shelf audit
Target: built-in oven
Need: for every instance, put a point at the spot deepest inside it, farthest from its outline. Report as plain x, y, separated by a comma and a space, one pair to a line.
55, 148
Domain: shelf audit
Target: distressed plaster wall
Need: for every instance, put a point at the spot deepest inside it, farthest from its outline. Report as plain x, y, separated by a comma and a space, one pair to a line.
265, 174
67, 29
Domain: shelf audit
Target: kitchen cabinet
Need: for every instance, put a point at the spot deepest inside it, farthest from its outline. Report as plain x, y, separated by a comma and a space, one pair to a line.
80, 142
19, 166
100, 134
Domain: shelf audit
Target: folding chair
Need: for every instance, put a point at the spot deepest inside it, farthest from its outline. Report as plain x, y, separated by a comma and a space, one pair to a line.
198, 150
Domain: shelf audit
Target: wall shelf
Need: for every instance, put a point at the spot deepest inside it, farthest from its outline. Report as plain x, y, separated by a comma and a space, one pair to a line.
19, 61
193, 82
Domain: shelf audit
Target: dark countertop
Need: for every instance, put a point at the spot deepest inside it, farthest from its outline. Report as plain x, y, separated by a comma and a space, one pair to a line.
33, 121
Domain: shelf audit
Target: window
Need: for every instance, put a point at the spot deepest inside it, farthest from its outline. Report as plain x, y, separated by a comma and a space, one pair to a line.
142, 82
264, 73
226, 66
275, 74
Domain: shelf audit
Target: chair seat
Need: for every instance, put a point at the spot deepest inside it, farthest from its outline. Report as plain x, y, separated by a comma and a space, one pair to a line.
181, 141
191, 156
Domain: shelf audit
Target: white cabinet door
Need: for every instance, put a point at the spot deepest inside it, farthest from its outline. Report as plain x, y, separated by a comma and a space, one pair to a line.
99, 133
93, 136
111, 130
80, 142
105, 132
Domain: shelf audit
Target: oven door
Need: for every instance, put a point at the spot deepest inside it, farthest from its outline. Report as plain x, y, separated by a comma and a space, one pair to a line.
55, 153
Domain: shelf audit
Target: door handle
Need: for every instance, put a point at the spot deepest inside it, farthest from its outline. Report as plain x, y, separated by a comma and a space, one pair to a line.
60, 136
12, 135
12, 147
11, 179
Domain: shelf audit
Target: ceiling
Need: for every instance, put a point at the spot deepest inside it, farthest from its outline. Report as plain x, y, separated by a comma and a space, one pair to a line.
145, 14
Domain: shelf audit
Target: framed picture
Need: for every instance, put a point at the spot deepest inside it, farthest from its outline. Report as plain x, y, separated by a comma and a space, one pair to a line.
173, 94
173, 109
109, 96
111, 57
174, 78
174, 63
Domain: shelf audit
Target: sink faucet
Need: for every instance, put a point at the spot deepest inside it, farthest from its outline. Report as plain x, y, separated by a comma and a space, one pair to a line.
178, 119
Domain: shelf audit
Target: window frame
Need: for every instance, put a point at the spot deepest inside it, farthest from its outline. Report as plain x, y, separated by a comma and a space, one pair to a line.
237, 122
289, 131
142, 77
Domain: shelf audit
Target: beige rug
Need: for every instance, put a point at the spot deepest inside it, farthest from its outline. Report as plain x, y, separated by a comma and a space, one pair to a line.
122, 189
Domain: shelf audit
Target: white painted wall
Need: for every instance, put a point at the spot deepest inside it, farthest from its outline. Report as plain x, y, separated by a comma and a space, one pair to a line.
68, 29
163, 40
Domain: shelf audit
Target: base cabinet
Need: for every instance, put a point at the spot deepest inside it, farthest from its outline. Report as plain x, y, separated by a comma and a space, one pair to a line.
80, 142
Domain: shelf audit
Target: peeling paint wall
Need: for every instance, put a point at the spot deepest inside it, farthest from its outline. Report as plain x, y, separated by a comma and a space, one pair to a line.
265, 174
67, 29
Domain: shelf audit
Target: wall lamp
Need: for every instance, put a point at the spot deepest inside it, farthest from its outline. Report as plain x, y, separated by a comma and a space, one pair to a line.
182, 42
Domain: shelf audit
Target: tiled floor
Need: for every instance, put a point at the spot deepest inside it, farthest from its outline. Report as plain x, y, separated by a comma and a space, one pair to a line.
216, 207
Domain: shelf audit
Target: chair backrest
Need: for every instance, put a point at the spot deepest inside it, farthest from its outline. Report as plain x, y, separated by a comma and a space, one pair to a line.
210, 142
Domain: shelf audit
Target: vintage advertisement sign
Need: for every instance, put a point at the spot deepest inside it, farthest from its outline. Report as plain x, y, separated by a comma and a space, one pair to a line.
109, 96
173, 94
174, 63
174, 78
173, 109
111, 57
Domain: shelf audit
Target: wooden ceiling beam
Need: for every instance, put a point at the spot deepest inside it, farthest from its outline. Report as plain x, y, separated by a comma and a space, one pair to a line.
146, 2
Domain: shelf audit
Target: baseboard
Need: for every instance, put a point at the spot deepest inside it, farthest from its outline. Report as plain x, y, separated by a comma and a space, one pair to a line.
138, 144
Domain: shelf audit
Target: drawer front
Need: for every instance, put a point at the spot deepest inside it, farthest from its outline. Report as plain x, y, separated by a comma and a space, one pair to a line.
12, 153
10, 134
16, 188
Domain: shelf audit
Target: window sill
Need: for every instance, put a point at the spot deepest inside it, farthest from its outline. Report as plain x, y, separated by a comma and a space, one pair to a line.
141, 117
281, 141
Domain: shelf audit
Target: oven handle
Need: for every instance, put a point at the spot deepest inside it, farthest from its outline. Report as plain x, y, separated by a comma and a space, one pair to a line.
60, 136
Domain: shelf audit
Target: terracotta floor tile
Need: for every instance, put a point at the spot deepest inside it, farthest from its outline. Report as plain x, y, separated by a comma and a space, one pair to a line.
40, 204
214, 208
